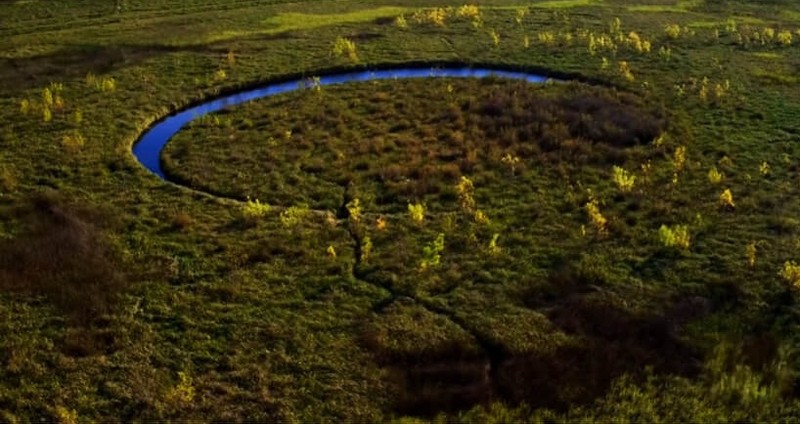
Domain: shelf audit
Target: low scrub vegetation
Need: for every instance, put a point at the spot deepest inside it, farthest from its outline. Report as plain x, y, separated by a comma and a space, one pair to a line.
617, 244
416, 154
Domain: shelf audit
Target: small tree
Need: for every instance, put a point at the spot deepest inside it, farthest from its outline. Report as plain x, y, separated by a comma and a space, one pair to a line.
678, 162
25, 106
469, 11
494, 249
77, 117
520, 15
401, 22
625, 71
345, 47
47, 97
677, 236
750, 252
673, 31
437, 16
431, 254
623, 179
785, 38
726, 199
354, 210
465, 198
791, 273
495, 37
511, 161
714, 176
764, 168
220, 75
598, 220
366, 248
481, 218
416, 212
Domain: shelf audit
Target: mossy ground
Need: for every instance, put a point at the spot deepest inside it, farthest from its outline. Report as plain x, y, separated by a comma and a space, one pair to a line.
228, 317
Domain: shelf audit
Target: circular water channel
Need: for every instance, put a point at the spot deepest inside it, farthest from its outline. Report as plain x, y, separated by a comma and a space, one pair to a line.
147, 149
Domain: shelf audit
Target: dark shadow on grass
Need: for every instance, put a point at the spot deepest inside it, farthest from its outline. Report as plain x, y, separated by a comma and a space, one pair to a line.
608, 341
451, 376
60, 255
74, 62
613, 342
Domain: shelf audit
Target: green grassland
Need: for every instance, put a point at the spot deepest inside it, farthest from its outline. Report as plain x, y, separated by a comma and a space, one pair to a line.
540, 280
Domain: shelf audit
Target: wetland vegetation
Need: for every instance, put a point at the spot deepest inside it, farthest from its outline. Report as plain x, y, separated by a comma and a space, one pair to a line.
620, 245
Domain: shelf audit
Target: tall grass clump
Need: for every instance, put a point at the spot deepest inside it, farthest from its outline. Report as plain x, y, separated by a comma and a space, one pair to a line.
102, 84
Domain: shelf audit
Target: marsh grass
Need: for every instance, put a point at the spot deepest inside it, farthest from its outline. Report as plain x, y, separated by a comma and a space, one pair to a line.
514, 124
260, 322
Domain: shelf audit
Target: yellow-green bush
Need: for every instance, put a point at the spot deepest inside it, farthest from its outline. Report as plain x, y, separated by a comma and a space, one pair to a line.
416, 212
791, 273
254, 209
676, 236
623, 179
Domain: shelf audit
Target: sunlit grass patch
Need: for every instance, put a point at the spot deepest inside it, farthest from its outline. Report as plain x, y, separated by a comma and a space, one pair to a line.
705, 24
303, 21
681, 6
292, 21
767, 55
775, 77
791, 15
28, 51
563, 4
743, 20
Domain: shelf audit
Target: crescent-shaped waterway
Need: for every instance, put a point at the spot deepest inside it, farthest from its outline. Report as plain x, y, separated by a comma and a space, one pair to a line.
147, 149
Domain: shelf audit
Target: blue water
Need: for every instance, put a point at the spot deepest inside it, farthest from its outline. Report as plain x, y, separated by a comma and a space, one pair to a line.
148, 149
